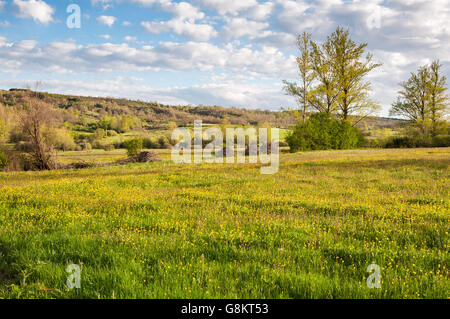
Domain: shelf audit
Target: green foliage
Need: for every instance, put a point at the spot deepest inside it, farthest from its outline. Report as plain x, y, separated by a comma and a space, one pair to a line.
423, 99
441, 141
98, 144
332, 76
350, 67
133, 146
150, 143
4, 161
60, 139
417, 141
322, 132
303, 92
163, 142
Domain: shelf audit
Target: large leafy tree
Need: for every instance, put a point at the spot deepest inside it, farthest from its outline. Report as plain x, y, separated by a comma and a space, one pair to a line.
333, 76
303, 92
412, 100
438, 99
325, 94
423, 98
350, 65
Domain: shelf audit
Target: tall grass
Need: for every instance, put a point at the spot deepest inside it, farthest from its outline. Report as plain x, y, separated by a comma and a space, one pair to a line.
163, 230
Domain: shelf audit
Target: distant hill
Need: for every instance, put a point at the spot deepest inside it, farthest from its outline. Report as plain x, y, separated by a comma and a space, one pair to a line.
155, 115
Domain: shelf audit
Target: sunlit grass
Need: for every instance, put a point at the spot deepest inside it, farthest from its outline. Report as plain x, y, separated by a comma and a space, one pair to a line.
163, 230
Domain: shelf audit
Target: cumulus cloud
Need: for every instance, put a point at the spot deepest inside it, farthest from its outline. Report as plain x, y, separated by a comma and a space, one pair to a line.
183, 22
37, 10
232, 7
261, 11
107, 20
68, 57
239, 27
189, 30
182, 10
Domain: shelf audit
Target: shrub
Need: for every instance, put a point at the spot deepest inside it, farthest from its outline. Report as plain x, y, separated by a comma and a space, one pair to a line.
98, 144
401, 142
133, 146
441, 140
163, 142
150, 143
416, 141
4, 161
85, 146
282, 144
322, 132
60, 139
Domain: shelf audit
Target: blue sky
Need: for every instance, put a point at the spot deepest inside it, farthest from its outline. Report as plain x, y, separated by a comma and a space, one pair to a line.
211, 52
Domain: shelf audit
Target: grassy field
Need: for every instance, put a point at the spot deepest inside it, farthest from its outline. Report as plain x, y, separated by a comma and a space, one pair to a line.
162, 230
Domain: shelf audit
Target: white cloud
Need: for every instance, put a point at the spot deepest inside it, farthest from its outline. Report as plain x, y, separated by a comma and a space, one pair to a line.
38, 10
129, 38
105, 36
182, 10
107, 20
126, 23
68, 57
239, 27
261, 11
183, 22
2, 5
5, 24
228, 6
106, 4
192, 31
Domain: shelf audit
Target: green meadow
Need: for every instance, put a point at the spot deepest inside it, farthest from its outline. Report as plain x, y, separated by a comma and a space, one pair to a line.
165, 230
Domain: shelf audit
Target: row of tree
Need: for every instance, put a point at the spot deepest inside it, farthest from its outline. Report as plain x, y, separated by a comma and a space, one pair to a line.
333, 85
424, 99
332, 77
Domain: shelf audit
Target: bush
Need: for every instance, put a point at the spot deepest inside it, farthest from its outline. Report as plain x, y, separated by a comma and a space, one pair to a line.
441, 141
150, 143
415, 141
322, 132
401, 142
133, 146
4, 161
85, 146
163, 142
98, 144
282, 144
60, 139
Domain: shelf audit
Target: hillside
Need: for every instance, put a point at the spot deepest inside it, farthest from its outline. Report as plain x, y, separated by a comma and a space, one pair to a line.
152, 114
155, 115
